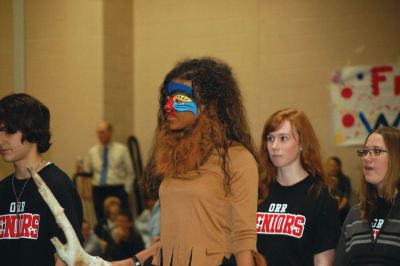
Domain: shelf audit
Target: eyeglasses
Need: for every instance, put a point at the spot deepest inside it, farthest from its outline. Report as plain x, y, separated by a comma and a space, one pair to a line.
371, 152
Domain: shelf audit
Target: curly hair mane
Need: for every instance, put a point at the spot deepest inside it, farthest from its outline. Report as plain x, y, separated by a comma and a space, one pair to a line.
181, 151
222, 120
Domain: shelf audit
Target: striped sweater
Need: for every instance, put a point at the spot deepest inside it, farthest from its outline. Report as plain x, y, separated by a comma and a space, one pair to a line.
357, 246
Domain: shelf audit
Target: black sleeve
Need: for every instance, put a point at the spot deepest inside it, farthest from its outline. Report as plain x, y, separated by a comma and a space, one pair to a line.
340, 253
97, 229
341, 257
136, 243
71, 202
326, 223
68, 197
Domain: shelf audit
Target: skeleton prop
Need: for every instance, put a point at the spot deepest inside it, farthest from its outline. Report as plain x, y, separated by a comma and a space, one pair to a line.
71, 253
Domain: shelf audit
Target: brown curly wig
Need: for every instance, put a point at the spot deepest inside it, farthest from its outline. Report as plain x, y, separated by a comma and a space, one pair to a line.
215, 89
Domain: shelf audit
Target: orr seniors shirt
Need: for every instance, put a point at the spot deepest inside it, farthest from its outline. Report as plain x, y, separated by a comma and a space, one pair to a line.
296, 222
25, 238
375, 242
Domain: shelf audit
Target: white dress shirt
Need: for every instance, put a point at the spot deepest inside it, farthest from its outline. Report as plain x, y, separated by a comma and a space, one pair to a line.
120, 169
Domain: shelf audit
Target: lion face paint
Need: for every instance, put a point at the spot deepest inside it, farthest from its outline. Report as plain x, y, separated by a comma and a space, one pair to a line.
180, 99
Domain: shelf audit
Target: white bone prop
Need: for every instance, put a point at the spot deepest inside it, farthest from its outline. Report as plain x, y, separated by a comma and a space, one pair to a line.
71, 253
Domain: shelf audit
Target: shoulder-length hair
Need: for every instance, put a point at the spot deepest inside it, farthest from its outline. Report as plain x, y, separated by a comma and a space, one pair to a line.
310, 156
215, 88
23, 112
391, 182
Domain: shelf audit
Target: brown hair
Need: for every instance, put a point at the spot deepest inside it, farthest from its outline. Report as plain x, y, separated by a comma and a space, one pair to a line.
111, 200
216, 89
391, 182
310, 156
23, 112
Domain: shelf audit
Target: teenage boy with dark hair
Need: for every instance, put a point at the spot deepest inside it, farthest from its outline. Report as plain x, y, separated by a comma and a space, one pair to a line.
26, 223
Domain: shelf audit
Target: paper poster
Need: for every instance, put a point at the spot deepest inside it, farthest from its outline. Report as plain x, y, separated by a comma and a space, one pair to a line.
363, 99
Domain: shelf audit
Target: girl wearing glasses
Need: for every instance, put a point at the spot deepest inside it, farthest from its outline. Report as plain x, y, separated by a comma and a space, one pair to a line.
371, 231
298, 219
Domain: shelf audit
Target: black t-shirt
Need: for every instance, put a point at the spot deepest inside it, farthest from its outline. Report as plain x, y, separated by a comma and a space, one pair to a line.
126, 248
25, 238
382, 211
295, 222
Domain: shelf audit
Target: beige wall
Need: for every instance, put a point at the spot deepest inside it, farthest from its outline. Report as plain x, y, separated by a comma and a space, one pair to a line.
283, 53
6, 59
6, 49
94, 59
118, 66
64, 69
79, 63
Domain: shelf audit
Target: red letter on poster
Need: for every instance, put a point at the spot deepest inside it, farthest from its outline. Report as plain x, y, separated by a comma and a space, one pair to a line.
397, 85
376, 77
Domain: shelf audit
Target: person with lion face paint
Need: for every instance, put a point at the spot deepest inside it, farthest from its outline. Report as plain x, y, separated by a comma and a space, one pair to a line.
204, 169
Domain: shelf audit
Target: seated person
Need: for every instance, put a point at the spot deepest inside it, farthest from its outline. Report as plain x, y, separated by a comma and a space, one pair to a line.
125, 239
91, 242
144, 222
112, 206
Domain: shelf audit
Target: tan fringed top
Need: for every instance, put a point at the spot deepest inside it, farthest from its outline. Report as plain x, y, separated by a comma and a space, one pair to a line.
200, 224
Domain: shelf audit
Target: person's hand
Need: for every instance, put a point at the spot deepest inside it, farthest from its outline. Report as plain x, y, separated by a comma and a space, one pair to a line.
118, 235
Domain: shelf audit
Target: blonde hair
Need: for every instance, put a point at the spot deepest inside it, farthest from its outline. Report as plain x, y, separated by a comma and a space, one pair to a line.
108, 202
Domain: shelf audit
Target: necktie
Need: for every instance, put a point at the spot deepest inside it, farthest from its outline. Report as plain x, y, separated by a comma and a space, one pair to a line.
104, 167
